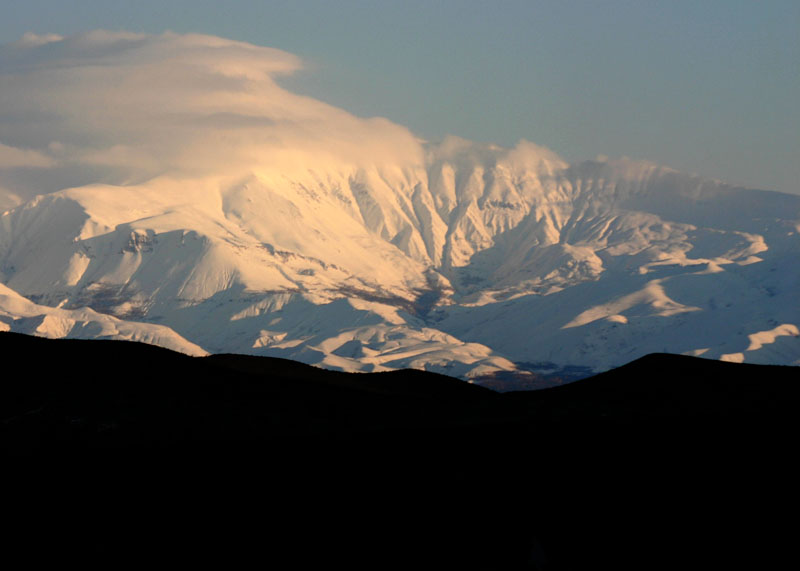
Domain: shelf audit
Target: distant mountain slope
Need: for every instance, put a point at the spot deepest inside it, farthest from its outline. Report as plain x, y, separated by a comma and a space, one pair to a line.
20, 315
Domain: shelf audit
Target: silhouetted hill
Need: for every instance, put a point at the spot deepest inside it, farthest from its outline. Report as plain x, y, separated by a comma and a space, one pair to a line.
667, 461
662, 387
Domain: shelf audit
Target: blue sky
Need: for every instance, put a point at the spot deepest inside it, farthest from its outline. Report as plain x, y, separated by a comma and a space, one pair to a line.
707, 86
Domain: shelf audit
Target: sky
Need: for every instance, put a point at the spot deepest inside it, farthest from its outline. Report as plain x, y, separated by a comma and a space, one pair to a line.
705, 86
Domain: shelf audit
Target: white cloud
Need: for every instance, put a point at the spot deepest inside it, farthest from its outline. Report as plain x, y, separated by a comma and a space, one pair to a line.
130, 106
31, 39
11, 157
8, 200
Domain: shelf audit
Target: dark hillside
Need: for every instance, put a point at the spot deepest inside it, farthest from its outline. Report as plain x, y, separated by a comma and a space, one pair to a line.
670, 461
663, 387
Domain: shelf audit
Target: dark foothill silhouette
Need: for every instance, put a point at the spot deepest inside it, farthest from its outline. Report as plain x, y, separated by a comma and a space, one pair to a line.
667, 462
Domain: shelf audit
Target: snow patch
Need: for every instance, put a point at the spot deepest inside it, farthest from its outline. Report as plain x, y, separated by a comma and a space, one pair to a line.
758, 340
652, 296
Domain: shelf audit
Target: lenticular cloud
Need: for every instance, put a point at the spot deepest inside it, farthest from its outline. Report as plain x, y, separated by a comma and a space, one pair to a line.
118, 107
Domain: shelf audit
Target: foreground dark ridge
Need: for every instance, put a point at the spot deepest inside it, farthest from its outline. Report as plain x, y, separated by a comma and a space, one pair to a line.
117, 393
73, 392
668, 460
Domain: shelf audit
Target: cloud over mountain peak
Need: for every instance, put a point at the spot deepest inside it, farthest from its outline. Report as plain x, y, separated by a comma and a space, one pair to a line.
120, 107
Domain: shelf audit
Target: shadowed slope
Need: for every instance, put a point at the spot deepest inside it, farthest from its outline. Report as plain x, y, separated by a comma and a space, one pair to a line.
113, 393
116, 393
662, 387
668, 462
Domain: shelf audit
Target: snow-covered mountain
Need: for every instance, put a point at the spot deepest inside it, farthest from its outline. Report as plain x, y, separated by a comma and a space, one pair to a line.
484, 257
458, 257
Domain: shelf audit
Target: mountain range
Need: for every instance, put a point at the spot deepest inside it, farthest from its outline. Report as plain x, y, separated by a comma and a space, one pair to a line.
248, 219
487, 261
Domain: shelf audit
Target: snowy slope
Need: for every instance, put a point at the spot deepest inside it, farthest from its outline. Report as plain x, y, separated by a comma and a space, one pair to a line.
346, 242
20, 315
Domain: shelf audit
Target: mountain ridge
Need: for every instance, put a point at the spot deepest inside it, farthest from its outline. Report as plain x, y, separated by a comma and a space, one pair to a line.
679, 390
